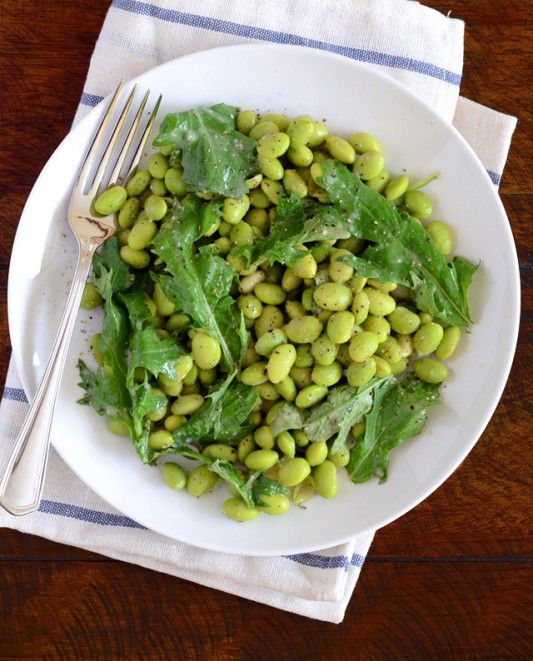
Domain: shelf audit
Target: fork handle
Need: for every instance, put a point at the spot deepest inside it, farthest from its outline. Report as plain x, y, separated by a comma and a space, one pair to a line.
21, 483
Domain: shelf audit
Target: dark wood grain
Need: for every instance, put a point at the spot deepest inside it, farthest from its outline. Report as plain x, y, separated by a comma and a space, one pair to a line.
449, 580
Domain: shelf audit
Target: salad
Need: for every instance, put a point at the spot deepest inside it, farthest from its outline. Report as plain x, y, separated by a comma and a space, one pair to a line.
274, 308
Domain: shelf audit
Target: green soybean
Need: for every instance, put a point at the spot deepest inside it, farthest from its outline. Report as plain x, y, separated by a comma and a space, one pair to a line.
418, 204
286, 444
442, 235
91, 298
117, 427
261, 460
377, 325
236, 509
310, 396
325, 477
302, 492
173, 422
380, 182
305, 267
300, 156
250, 306
280, 362
389, 349
141, 234
234, 209
263, 128
396, 187
157, 165
110, 201
255, 374
340, 149
206, 351
273, 145
294, 183
271, 168
187, 404
403, 321
293, 471
323, 350
281, 121
221, 451
246, 445
316, 453
383, 368
360, 307
363, 142
303, 330
333, 296
369, 165
159, 440
246, 120
430, 370
174, 475
155, 207
174, 182
128, 213
340, 458
272, 189
448, 344
362, 346
357, 374
301, 131
270, 293
340, 326
327, 375
274, 504
270, 318
380, 303
137, 259
138, 183
427, 338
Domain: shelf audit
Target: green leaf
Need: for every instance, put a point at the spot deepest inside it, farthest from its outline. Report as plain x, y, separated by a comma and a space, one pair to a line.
199, 284
214, 155
401, 250
110, 273
113, 344
100, 391
344, 407
298, 221
222, 416
264, 486
288, 417
399, 412
144, 400
156, 355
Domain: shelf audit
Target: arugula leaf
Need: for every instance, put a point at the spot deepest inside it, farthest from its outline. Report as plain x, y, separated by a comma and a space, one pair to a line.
401, 250
200, 284
399, 412
156, 355
288, 417
99, 390
344, 407
144, 401
264, 486
209, 215
110, 273
222, 417
297, 221
215, 156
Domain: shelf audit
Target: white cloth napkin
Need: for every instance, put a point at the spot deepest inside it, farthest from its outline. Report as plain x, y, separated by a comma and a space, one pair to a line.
414, 44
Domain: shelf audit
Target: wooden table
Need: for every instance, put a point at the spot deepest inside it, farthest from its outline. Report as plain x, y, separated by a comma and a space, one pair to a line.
448, 580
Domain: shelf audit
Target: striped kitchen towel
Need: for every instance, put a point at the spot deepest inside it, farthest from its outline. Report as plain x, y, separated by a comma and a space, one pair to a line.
412, 43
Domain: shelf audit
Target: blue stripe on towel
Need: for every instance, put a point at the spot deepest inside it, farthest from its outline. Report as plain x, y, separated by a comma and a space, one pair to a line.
85, 514
264, 34
91, 100
495, 177
327, 562
15, 394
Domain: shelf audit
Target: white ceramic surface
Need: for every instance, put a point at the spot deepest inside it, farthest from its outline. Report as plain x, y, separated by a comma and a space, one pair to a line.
293, 80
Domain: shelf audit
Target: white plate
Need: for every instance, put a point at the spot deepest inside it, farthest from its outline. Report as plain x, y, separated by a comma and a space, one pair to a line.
292, 80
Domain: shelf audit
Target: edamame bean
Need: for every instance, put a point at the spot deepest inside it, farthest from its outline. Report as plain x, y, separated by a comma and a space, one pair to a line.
340, 326
290, 280
246, 445
128, 213
272, 189
380, 182
280, 362
91, 298
261, 460
110, 201
264, 438
369, 165
221, 451
171, 387
274, 504
253, 182
323, 350
281, 121
293, 471
300, 156
138, 183
449, 343
294, 309
207, 377
418, 204
236, 509
137, 259
271, 318
174, 475
271, 168
320, 133
234, 209
396, 187
263, 128
305, 267
362, 346
360, 307
159, 407
117, 427
159, 440
173, 422
403, 321
187, 404
269, 341
357, 284
427, 338
430, 370
340, 149
340, 458
377, 325
251, 306
269, 293
327, 375
325, 477
333, 296
383, 368
316, 453
206, 351
405, 342
357, 374
363, 142
398, 367
358, 430
286, 444
389, 350
258, 199
304, 358
174, 182
303, 330
201, 480
310, 395
255, 374
380, 303
301, 131
287, 389
248, 283
141, 234
338, 270
246, 120
302, 492
441, 234
294, 183
155, 207
157, 165
186, 370
273, 145
241, 234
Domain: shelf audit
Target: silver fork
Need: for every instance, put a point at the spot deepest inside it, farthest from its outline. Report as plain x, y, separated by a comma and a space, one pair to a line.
21, 483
